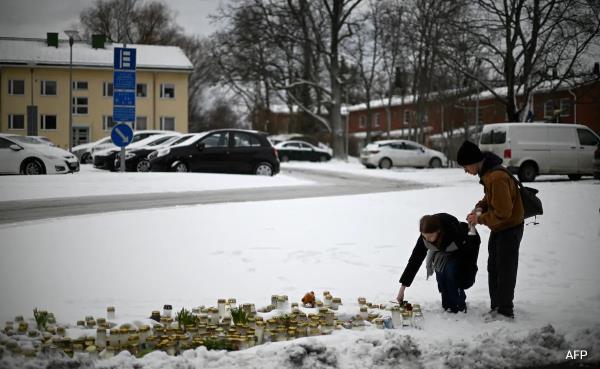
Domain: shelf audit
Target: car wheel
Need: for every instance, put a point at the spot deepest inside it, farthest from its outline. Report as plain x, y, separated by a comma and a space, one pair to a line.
264, 169
323, 158
32, 167
86, 158
435, 163
574, 177
385, 163
143, 166
181, 168
527, 172
285, 159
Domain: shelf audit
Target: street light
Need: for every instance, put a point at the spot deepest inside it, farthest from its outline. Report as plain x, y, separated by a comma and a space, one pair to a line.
72, 34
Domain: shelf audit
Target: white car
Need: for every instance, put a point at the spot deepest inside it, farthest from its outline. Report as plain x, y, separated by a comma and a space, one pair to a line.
44, 140
84, 151
401, 153
25, 155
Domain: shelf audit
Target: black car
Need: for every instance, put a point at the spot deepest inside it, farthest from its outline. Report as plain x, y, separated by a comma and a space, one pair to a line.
136, 160
300, 150
219, 151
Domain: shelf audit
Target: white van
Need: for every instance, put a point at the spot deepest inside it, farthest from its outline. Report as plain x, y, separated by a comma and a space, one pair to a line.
531, 149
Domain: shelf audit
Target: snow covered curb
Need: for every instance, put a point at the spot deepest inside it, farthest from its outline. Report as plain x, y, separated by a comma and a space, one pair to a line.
503, 347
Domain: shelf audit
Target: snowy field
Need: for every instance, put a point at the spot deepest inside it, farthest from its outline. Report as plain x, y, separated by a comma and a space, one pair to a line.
350, 245
91, 181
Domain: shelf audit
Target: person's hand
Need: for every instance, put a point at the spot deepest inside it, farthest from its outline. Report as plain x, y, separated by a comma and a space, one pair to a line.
472, 218
400, 296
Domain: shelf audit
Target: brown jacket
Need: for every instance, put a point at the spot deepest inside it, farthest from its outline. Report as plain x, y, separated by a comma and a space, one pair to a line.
502, 205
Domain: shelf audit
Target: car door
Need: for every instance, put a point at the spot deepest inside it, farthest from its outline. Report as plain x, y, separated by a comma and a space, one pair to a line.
211, 153
588, 142
563, 150
292, 151
246, 148
395, 151
10, 160
307, 152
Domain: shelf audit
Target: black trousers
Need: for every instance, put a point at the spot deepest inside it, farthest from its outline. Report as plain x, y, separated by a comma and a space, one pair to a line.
503, 261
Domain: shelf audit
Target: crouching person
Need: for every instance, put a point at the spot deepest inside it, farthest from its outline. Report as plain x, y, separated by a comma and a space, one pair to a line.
451, 253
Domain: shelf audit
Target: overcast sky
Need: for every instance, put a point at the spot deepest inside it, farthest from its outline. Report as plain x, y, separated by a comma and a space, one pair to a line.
33, 18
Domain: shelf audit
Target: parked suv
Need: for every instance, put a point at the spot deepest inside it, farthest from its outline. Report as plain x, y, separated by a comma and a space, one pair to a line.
396, 153
531, 149
224, 151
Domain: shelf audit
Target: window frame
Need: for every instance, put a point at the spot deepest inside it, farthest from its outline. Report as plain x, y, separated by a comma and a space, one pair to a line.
565, 103
106, 121
163, 87
11, 87
11, 122
375, 120
407, 117
362, 121
75, 86
145, 90
136, 124
44, 85
75, 105
163, 122
44, 123
106, 87
549, 103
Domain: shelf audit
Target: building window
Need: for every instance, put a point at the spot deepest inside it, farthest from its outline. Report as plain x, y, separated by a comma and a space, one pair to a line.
167, 91
549, 109
107, 89
142, 90
80, 105
49, 88
16, 121
80, 85
16, 87
107, 122
407, 117
565, 107
48, 122
167, 123
362, 121
141, 123
376, 120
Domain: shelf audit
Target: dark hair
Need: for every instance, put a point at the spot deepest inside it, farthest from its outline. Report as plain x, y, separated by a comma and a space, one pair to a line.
430, 224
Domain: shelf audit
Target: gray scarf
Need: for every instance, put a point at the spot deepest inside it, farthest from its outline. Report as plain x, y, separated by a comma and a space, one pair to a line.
436, 259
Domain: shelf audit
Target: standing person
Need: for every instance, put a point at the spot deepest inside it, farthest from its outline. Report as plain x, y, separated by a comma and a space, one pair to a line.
501, 210
451, 253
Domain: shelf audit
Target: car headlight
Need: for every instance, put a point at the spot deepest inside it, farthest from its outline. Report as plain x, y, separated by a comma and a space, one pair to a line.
130, 155
50, 157
152, 155
162, 152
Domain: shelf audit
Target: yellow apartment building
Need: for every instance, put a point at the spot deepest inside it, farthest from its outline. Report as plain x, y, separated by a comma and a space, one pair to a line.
34, 81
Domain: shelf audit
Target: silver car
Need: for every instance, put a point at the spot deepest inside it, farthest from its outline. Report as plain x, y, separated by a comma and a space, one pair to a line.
401, 153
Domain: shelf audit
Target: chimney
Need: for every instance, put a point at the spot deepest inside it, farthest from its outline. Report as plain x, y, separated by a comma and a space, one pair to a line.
98, 41
52, 39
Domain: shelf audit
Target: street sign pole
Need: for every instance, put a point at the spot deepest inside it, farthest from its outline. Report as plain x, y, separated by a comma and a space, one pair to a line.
124, 93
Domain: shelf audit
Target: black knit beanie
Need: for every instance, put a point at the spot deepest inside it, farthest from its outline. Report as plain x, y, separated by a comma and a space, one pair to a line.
468, 153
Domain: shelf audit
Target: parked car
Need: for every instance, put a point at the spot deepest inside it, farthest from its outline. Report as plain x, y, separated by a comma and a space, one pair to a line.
105, 159
45, 140
221, 151
25, 155
299, 150
83, 152
531, 149
136, 158
597, 163
401, 153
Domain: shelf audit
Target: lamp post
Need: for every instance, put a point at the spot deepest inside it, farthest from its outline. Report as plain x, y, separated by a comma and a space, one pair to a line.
72, 34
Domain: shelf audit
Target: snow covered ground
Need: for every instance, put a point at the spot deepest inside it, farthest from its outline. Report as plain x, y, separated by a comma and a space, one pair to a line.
90, 181
350, 245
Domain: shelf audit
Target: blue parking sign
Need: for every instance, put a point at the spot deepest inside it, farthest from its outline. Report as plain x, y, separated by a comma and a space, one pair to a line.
121, 135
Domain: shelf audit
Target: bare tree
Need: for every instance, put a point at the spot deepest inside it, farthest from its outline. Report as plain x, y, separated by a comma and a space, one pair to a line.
526, 43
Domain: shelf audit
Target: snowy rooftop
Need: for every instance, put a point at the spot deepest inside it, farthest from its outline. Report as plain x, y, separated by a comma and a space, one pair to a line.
22, 50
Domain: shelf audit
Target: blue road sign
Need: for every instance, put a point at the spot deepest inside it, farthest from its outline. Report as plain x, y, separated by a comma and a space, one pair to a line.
121, 135
124, 80
125, 58
123, 114
124, 98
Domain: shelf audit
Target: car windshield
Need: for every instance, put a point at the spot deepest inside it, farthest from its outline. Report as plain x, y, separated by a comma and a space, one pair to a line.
26, 140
